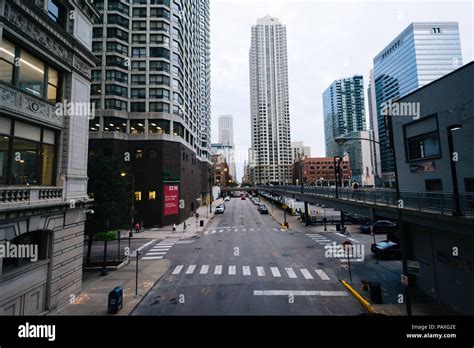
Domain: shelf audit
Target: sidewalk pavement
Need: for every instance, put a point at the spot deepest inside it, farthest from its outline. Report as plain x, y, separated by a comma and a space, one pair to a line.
387, 273
93, 299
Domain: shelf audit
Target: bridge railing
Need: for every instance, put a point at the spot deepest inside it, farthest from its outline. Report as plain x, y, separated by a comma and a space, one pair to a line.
437, 202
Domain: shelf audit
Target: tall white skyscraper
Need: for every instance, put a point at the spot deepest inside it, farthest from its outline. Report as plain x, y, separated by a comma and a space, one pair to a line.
269, 95
226, 130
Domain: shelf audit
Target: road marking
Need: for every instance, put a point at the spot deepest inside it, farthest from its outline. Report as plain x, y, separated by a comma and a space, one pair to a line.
354, 240
261, 271
246, 270
282, 229
145, 245
275, 230
152, 258
206, 232
306, 274
232, 270
275, 271
291, 273
298, 293
204, 269
159, 249
166, 243
178, 269
312, 234
155, 253
321, 274
220, 231
191, 269
340, 234
218, 270
244, 230
321, 240
251, 229
213, 231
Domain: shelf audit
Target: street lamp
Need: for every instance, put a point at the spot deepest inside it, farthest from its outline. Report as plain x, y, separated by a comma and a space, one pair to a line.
132, 213
454, 176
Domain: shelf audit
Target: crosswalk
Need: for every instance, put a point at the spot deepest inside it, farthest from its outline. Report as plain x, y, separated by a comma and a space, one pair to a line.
250, 271
323, 241
233, 229
159, 250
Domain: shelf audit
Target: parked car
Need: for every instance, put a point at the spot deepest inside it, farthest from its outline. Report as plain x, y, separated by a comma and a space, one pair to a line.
219, 209
263, 209
227, 198
242, 198
381, 226
386, 250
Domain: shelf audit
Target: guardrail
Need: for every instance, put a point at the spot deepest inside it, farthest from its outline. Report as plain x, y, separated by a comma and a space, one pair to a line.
435, 202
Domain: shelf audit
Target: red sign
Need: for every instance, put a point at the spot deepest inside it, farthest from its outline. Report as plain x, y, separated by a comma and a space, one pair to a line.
171, 202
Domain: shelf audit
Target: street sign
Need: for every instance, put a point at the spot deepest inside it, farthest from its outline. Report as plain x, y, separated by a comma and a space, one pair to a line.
404, 280
413, 267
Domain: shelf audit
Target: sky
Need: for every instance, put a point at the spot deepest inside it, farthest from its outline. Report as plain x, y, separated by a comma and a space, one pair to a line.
327, 40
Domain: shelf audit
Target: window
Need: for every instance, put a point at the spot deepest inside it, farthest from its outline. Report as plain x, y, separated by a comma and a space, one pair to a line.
137, 127
117, 33
139, 52
159, 107
30, 150
139, 38
152, 153
159, 13
118, 76
7, 60
139, 25
117, 90
117, 19
138, 93
139, 12
113, 124
159, 52
159, 39
115, 104
159, 93
31, 78
138, 79
138, 196
423, 146
152, 195
137, 107
159, 126
138, 66
159, 26
117, 47
55, 11
159, 66
434, 185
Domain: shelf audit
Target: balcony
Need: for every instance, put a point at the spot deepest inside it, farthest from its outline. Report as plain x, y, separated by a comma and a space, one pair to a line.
14, 197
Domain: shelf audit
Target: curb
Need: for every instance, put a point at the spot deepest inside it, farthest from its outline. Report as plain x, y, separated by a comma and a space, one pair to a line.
362, 300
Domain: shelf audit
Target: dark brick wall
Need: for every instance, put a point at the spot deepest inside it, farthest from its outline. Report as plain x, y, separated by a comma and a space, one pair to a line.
173, 158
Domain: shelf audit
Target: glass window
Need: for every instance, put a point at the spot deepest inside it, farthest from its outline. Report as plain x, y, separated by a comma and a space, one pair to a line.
52, 85
4, 151
152, 195
5, 126
25, 162
138, 107
159, 107
138, 196
423, 146
114, 124
48, 137
152, 153
138, 154
137, 126
159, 127
31, 78
55, 11
7, 59
27, 131
48, 155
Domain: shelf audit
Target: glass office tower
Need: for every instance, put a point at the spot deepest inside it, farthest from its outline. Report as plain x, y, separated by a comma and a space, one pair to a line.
422, 53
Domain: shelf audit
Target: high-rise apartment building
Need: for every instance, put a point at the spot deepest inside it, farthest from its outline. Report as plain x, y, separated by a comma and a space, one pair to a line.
45, 65
374, 127
422, 53
226, 140
269, 95
152, 96
299, 151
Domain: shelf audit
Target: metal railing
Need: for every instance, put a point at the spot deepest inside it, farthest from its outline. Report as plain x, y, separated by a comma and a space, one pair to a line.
435, 202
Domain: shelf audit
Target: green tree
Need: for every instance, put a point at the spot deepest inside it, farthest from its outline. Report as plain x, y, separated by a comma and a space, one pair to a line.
112, 196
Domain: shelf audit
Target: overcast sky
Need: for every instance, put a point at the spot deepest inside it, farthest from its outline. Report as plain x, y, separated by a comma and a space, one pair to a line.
327, 40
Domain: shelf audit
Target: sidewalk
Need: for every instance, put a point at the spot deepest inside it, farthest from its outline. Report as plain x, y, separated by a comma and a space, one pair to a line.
93, 299
387, 273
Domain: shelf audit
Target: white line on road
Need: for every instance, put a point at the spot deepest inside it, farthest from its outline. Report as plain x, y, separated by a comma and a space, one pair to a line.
152, 258
340, 234
206, 232
246, 270
151, 253
306, 274
204, 269
321, 274
251, 229
236, 230
275, 230
145, 245
275, 271
191, 269
213, 231
298, 293
218, 270
178, 269
261, 272
220, 231
291, 273
232, 270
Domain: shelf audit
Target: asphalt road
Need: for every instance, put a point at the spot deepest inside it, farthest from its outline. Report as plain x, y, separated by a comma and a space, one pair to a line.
244, 264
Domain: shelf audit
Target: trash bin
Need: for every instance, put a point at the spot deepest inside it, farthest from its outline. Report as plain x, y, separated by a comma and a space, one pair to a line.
201, 223
115, 300
338, 227
375, 293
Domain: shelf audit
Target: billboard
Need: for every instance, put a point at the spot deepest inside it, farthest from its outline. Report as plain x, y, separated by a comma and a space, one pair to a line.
171, 201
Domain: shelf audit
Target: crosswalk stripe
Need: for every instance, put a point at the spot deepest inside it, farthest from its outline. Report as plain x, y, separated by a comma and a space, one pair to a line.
306, 274
275, 230
204, 269
282, 229
162, 247
218, 270
207, 232
155, 253
220, 231
340, 234
251, 229
232, 270
236, 230
244, 230
275, 271
298, 293
152, 258
191, 269
261, 271
213, 231
321, 274
291, 273
178, 269
246, 270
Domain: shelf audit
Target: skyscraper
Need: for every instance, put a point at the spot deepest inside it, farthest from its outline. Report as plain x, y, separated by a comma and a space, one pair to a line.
373, 125
344, 111
226, 139
269, 95
152, 96
423, 52
299, 151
